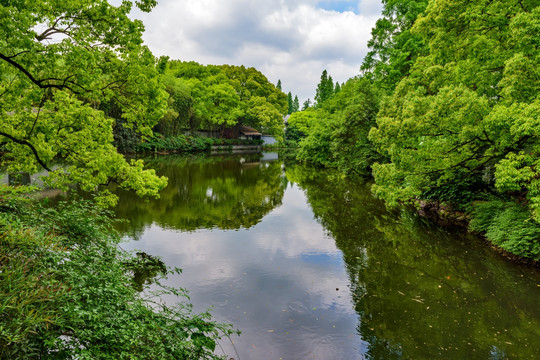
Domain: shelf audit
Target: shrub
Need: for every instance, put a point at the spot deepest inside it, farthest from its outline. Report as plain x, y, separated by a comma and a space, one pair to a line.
68, 291
509, 226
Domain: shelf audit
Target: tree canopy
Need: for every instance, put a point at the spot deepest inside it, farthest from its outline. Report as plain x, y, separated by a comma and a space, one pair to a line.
394, 47
325, 88
456, 85
469, 108
61, 61
228, 96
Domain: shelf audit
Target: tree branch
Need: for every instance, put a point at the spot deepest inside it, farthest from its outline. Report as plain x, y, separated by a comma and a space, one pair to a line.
39, 83
24, 142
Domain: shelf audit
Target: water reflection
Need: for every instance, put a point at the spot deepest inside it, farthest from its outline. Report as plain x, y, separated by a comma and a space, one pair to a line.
204, 192
423, 293
310, 266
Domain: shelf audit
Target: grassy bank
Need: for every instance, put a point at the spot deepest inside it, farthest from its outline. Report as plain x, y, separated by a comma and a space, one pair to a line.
67, 290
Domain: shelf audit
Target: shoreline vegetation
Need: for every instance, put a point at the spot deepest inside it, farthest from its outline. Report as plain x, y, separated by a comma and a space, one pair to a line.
444, 117
445, 113
68, 290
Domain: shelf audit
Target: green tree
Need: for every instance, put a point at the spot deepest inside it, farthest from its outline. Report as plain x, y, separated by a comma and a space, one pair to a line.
296, 104
337, 131
278, 86
325, 89
58, 62
304, 120
290, 103
306, 104
180, 107
337, 88
394, 47
468, 111
227, 97
355, 110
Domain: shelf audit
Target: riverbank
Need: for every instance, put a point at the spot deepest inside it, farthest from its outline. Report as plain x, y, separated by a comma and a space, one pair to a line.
488, 226
189, 144
182, 144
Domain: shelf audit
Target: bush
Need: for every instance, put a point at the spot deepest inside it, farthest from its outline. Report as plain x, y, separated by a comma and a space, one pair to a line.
179, 143
509, 226
189, 144
68, 291
460, 193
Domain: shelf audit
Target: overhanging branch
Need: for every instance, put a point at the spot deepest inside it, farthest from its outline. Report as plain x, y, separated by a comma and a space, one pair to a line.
26, 143
40, 83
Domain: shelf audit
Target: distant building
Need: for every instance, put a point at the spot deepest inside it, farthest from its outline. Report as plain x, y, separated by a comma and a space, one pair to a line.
246, 132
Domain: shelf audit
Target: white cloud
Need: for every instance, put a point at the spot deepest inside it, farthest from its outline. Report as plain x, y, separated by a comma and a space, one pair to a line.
289, 40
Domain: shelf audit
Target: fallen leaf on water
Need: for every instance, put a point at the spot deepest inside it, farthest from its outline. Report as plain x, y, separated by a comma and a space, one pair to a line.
401, 293
270, 331
420, 301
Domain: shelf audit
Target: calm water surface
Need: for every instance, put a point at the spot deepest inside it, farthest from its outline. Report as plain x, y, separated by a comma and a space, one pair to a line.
309, 265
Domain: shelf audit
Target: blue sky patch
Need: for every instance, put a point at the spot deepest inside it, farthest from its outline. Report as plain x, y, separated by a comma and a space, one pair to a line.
339, 5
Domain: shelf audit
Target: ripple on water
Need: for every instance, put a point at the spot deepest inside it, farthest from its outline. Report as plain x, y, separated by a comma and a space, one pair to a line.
298, 307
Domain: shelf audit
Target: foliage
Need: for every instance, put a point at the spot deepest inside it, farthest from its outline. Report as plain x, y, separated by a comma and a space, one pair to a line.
292, 134
398, 264
290, 105
61, 60
293, 104
466, 107
394, 47
316, 147
67, 292
296, 104
354, 109
337, 131
179, 115
302, 121
189, 144
227, 96
125, 138
306, 105
207, 192
509, 226
325, 89
180, 143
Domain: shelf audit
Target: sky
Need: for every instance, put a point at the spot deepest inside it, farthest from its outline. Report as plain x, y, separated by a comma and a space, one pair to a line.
288, 40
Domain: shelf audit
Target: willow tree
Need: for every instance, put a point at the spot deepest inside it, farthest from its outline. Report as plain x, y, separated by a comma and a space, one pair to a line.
59, 62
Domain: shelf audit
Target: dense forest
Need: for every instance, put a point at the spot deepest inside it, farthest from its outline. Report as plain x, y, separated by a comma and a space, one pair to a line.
445, 116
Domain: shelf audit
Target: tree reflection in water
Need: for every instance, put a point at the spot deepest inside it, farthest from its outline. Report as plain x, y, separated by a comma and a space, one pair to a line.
423, 292
204, 192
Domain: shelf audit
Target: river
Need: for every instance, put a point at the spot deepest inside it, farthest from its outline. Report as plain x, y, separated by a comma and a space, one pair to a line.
309, 265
